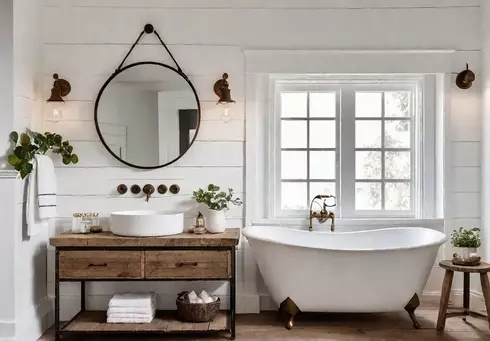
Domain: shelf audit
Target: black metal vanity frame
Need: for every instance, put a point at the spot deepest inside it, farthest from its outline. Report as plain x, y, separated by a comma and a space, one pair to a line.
61, 331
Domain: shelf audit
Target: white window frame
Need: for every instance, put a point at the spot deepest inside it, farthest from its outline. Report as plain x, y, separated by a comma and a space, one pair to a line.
423, 140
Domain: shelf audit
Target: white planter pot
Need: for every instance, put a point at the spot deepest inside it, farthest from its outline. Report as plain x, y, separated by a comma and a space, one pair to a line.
216, 222
464, 253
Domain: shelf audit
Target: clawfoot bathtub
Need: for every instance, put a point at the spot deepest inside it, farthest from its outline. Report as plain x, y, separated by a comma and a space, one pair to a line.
381, 270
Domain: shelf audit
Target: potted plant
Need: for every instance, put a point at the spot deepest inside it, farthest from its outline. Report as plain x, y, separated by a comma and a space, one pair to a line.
466, 242
217, 202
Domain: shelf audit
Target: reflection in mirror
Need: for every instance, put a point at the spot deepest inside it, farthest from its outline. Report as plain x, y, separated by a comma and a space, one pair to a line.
148, 115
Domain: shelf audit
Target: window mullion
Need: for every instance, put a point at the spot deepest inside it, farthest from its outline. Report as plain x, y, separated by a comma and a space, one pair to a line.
308, 195
383, 160
347, 150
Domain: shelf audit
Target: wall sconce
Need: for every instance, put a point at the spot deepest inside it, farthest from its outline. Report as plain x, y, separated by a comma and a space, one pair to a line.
465, 78
222, 90
55, 103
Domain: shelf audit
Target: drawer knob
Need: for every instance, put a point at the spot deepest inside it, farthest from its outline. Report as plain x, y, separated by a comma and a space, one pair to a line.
186, 264
103, 265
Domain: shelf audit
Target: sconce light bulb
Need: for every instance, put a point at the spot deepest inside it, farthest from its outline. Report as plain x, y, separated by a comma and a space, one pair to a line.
55, 111
226, 115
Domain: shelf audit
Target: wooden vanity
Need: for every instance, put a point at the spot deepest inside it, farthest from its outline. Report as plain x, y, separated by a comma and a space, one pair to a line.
106, 257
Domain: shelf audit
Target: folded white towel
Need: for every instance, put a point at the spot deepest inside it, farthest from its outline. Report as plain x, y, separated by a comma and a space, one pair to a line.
41, 194
131, 310
128, 315
140, 300
129, 319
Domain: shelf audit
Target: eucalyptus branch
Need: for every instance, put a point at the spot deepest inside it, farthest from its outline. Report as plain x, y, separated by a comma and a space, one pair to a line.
216, 199
27, 145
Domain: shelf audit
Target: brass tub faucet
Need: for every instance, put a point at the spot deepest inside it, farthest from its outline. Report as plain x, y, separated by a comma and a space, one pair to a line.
324, 214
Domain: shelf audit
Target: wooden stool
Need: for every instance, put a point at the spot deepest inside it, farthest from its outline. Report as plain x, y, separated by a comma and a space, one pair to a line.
482, 269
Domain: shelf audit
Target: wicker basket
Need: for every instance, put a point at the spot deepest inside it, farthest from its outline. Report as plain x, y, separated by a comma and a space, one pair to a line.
196, 312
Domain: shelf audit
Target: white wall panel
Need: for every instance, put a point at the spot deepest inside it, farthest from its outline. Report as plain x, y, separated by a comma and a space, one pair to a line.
290, 4
465, 205
104, 59
465, 154
466, 179
104, 181
332, 28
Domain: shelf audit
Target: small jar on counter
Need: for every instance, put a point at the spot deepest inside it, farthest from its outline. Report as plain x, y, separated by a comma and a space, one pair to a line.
83, 222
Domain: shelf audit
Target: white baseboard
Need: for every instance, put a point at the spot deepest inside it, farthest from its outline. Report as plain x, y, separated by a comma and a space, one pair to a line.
30, 326
477, 302
7, 330
248, 304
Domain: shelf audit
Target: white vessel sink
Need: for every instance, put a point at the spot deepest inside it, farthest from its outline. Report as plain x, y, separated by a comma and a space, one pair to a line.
146, 223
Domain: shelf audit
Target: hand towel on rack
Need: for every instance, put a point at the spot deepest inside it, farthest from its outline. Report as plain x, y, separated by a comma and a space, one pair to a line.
141, 300
41, 194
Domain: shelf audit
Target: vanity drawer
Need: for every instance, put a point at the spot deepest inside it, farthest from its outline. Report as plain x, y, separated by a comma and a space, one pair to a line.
101, 264
187, 264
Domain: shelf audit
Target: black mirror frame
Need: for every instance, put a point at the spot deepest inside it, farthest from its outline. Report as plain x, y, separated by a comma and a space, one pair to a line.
180, 73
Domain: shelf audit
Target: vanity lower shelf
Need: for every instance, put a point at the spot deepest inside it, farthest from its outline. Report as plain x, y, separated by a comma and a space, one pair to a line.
164, 322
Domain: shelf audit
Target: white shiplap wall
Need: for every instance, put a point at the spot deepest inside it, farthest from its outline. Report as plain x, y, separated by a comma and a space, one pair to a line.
24, 267
84, 41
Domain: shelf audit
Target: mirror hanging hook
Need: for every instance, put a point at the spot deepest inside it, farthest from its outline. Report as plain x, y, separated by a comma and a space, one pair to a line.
149, 29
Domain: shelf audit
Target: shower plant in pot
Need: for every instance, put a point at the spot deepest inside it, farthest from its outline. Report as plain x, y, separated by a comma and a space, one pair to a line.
217, 202
466, 243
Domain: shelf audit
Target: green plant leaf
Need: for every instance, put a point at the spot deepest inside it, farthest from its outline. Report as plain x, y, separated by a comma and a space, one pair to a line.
69, 149
25, 140
74, 158
13, 160
14, 137
19, 152
66, 160
25, 169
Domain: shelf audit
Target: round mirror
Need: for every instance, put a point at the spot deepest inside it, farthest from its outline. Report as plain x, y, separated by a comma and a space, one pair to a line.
147, 115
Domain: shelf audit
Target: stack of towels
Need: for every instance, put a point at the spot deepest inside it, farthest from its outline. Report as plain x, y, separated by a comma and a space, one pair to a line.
132, 308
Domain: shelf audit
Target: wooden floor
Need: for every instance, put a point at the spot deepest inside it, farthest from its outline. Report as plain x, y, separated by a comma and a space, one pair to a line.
339, 327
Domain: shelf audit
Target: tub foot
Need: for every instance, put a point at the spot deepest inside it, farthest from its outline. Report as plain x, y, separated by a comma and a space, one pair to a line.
290, 310
410, 308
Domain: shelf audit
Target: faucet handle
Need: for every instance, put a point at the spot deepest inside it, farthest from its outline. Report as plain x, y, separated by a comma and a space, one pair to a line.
329, 197
148, 190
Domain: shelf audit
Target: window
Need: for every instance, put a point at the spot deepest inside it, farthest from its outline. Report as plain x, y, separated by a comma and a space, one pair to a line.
360, 140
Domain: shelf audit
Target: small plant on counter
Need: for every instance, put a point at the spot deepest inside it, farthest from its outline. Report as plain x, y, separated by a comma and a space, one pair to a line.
215, 199
469, 238
27, 145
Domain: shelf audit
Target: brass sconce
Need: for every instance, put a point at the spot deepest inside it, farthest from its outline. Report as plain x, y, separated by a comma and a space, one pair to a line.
465, 78
61, 88
222, 90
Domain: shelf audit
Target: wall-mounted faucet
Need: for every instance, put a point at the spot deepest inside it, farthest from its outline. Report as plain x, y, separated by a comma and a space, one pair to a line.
148, 190
323, 215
